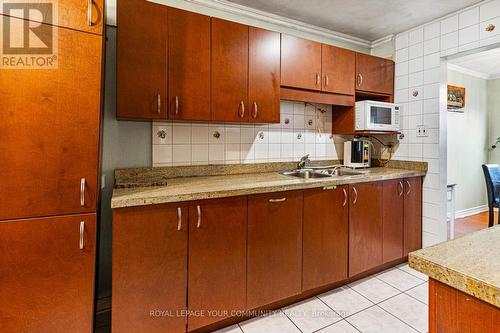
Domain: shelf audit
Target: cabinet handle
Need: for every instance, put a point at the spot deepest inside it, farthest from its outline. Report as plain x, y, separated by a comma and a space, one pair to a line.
345, 197
409, 188
82, 192
176, 105
400, 184
242, 109
82, 234
277, 200
159, 103
327, 80
179, 218
255, 110
89, 13
359, 79
318, 78
198, 209
355, 196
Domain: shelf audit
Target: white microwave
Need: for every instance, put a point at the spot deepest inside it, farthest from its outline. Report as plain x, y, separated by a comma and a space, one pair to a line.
376, 116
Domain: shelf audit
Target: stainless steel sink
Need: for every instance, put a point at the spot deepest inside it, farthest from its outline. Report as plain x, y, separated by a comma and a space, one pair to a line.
307, 174
344, 172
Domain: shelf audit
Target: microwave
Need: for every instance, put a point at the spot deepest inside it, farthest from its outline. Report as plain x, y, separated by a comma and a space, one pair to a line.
376, 116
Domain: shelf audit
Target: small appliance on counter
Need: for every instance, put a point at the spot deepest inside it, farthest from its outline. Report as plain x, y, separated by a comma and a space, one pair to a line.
357, 153
376, 116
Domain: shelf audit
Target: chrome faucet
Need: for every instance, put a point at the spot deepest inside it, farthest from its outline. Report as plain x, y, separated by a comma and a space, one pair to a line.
303, 161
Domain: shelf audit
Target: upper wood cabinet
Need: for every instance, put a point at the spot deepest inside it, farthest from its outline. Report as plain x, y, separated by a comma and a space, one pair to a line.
365, 227
393, 219
374, 74
49, 133
325, 236
141, 60
87, 16
300, 63
338, 69
274, 260
38, 257
149, 268
217, 258
188, 65
412, 214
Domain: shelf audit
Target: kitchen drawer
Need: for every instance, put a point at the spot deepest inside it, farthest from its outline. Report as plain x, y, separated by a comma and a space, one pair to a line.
493, 24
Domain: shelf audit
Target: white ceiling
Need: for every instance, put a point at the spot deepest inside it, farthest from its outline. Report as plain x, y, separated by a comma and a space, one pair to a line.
484, 64
366, 19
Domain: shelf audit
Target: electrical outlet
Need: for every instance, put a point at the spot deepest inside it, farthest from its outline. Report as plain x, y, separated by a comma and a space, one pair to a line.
422, 131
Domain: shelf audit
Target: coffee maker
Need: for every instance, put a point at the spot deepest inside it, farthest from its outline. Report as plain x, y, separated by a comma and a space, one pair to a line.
357, 153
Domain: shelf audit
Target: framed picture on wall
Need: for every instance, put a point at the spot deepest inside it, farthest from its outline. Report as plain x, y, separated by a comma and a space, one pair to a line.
456, 99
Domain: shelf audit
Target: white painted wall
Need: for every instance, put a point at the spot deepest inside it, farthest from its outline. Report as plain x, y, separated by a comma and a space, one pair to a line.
468, 142
494, 118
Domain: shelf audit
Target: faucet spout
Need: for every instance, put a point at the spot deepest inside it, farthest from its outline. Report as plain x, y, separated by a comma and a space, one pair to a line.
303, 162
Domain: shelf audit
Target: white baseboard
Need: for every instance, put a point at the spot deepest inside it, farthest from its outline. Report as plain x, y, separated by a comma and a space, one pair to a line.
471, 211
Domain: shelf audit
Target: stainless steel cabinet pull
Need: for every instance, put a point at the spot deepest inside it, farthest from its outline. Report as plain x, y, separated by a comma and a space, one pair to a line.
159, 103
359, 80
355, 197
89, 13
318, 78
255, 110
409, 188
198, 209
242, 109
82, 234
345, 197
176, 105
179, 218
82, 192
400, 184
327, 81
277, 200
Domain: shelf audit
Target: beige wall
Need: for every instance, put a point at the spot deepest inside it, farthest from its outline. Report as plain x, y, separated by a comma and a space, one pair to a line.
494, 118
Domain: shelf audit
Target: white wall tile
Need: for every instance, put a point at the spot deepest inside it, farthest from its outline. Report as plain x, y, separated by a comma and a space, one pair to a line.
162, 154
489, 10
162, 134
416, 79
431, 90
401, 81
431, 120
416, 36
432, 30
232, 152
416, 50
402, 55
216, 134
431, 75
468, 18
432, 46
431, 151
401, 41
415, 93
233, 134
468, 35
216, 153
432, 61
181, 154
449, 41
415, 65
199, 153
431, 105
449, 24
416, 108
181, 134
199, 134
469, 46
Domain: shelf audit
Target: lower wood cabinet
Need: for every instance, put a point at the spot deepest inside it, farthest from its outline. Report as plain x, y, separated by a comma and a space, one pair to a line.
274, 260
149, 268
412, 214
393, 220
325, 236
217, 259
47, 274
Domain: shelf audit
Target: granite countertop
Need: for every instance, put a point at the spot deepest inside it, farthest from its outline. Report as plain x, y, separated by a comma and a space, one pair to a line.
218, 186
470, 264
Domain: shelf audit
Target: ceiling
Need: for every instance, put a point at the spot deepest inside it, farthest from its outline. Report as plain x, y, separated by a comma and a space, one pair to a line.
366, 19
484, 64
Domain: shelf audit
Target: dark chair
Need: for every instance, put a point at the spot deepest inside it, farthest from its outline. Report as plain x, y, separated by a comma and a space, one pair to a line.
492, 177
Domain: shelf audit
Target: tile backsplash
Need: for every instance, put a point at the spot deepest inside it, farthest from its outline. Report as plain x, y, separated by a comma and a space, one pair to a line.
304, 129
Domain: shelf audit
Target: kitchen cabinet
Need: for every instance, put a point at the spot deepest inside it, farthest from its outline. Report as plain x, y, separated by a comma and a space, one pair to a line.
141, 60
47, 268
274, 245
365, 227
50, 131
149, 268
393, 219
188, 65
325, 236
87, 16
217, 259
300, 63
374, 74
412, 214
338, 68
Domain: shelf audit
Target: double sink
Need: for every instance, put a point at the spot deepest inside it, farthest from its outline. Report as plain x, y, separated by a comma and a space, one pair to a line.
321, 173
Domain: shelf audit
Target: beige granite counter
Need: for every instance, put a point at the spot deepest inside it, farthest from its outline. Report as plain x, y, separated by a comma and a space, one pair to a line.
217, 186
470, 264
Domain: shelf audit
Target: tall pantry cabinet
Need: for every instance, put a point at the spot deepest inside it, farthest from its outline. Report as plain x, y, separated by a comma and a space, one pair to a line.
49, 153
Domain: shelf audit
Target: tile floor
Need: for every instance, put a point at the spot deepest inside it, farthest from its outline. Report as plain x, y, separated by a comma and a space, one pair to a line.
393, 301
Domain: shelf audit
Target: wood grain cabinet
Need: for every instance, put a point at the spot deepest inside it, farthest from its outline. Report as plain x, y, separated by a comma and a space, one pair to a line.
49, 133
325, 236
374, 74
142, 60
365, 227
393, 219
300, 63
337, 70
47, 268
274, 259
217, 259
412, 215
149, 268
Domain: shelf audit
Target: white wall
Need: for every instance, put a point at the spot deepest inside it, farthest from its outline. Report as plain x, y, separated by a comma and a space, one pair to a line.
468, 142
494, 118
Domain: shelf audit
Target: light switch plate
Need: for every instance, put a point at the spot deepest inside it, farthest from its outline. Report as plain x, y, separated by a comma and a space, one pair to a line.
422, 131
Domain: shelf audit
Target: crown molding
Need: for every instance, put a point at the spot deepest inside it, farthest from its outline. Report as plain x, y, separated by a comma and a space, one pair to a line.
467, 71
382, 40
495, 76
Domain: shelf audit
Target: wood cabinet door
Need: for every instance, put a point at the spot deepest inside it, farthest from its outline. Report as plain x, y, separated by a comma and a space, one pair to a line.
393, 220
141, 56
274, 259
217, 259
412, 214
47, 269
229, 71
49, 131
264, 76
338, 67
325, 238
188, 65
365, 227
374, 74
149, 268
87, 16
300, 63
